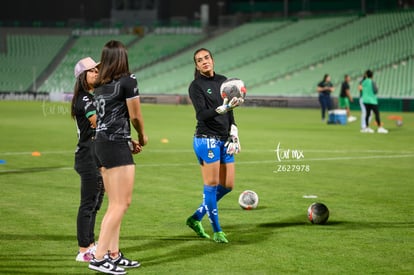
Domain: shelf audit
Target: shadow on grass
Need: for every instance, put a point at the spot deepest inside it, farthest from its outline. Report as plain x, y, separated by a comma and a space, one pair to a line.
30, 170
19, 271
159, 250
35, 237
239, 208
299, 221
40, 263
368, 225
180, 248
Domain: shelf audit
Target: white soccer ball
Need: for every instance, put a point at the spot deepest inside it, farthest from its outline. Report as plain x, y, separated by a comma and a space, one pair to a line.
248, 200
233, 87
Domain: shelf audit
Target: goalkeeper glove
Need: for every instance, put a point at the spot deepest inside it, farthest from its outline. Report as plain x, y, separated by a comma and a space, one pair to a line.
227, 106
233, 143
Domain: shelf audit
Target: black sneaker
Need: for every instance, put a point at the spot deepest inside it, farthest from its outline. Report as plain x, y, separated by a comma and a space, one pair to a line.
106, 266
124, 262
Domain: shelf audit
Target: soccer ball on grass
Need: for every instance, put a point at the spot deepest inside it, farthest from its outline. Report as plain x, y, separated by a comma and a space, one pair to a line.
248, 200
318, 213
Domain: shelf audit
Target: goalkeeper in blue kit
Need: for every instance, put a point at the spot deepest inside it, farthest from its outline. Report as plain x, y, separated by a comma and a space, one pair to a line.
215, 142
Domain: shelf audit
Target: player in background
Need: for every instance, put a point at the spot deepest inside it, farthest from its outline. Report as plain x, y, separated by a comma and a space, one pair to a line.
118, 105
324, 89
83, 111
345, 97
215, 129
370, 100
361, 104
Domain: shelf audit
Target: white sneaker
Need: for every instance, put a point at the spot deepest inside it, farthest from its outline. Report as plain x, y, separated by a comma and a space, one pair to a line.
84, 256
93, 249
367, 130
382, 130
106, 266
351, 119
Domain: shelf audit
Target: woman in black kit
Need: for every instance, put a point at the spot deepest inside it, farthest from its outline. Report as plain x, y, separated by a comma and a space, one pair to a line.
83, 111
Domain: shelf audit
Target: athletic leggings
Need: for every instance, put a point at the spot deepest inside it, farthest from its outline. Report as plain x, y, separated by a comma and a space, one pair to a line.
374, 108
91, 195
326, 103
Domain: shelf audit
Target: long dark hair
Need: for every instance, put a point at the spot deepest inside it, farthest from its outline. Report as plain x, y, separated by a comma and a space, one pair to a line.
197, 72
325, 77
114, 62
80, 85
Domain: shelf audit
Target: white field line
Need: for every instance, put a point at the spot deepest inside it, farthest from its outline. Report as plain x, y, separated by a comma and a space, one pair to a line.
246, 162
258, 151
352, 158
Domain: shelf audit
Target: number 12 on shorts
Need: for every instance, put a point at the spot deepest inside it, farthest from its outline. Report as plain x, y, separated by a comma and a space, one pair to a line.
211, 143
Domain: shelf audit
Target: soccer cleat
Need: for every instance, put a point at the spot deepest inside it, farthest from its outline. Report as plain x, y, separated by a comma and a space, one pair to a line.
106, 266
220, 237
197, 227
84, 256
124, 262
382, 130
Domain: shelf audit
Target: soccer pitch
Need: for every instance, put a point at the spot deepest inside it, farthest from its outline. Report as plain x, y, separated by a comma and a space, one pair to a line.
366, 180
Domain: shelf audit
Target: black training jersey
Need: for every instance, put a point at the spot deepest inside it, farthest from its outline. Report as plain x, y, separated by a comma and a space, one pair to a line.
344, 88
84, 107
326, 85
205, 96
113, 118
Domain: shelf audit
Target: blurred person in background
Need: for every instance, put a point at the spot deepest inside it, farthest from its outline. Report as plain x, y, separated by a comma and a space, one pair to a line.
324, 89
369, 98
345, 98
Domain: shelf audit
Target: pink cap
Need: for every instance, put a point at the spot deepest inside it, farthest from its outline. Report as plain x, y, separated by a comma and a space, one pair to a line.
84, 64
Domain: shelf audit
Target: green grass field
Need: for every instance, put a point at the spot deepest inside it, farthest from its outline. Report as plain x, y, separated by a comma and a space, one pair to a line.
366, 180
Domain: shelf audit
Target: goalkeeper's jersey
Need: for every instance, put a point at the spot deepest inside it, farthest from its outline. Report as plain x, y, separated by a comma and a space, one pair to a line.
84, 107
113, 118
205, 96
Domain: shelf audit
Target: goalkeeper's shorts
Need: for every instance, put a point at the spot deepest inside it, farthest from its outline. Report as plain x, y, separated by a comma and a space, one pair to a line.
209, 150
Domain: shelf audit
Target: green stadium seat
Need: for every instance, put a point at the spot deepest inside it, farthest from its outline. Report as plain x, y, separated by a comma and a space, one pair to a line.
279, 58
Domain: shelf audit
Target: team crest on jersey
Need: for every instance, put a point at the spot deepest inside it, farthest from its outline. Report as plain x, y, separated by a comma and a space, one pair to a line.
133, 76
210, 154
209, 91
88, 104
85, 98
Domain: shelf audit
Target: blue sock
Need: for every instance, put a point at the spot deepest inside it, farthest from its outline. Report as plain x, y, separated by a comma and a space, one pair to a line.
201, 211
210, 204
222, 191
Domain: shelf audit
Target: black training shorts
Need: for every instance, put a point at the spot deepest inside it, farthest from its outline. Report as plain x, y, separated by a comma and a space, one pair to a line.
110, 154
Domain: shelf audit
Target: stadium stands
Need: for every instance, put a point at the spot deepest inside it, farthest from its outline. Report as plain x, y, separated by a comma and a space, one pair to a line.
348, 49
141, 52
276, 58
26, 58
378, 54
62, 79
234, 50
154, 47
289, 58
